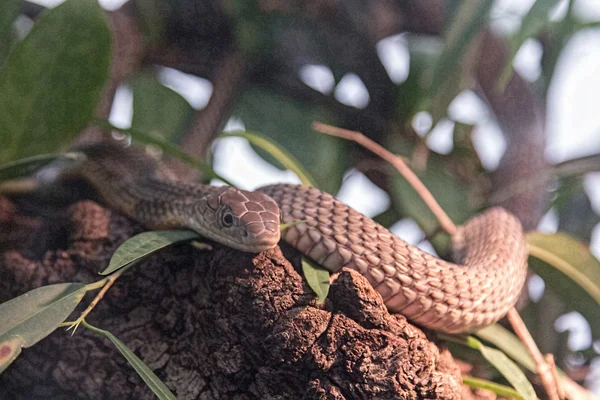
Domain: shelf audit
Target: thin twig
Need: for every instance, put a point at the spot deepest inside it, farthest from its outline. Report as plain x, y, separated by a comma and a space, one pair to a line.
109, 282
559, 389
544, 370
397, 162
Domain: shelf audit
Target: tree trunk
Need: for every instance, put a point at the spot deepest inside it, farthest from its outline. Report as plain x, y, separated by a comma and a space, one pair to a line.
212, 324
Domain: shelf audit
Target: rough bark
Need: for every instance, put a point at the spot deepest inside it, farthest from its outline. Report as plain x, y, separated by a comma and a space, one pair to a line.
216, 324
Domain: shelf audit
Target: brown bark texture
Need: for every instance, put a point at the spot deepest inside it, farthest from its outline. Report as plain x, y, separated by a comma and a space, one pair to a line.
212, 324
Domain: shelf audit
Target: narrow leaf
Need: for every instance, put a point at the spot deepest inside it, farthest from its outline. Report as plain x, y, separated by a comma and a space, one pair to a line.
153, 382
532, 22
52, 80
317, 278
159, 109
27, 166
143, 245
35, 314
283, 227
500, 390
569, 256
467, 22
277, 152
508, 343
288, 122
570, 269
511, 372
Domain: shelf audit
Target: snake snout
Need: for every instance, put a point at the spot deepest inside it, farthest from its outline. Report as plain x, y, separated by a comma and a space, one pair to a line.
263, 232
257, 218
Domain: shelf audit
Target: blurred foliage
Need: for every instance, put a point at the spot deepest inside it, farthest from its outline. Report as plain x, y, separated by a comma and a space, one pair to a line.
51, 82
288, 123
567, 266
9, 10
159, 110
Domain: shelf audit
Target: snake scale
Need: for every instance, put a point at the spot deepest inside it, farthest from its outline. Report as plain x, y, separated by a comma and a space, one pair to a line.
490, 250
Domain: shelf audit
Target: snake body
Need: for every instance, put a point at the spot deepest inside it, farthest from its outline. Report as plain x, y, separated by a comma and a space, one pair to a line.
489, 250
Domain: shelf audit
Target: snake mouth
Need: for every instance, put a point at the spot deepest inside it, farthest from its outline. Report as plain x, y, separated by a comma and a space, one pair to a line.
247, 244
259, 244
255, 247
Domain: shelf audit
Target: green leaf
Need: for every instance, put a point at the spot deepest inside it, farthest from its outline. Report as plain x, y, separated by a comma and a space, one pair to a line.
573, 206
467, 22
53, 79
460, 78
413, 95
509, 344
500, 390
27, 166
570, 269
9, 10
288, 122
531, 24
143, 245
317, 278
35, 314
277, 152
153, 382
509, 370
158, 109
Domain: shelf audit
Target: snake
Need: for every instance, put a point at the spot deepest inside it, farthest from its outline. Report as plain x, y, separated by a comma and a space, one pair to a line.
474, 291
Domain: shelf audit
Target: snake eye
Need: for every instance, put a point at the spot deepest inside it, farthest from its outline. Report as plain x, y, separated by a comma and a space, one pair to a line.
227, 219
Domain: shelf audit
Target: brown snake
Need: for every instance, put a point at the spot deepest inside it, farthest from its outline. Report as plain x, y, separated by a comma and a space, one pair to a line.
490, 249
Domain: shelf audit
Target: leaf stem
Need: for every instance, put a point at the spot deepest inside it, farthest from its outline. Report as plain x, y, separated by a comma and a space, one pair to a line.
96, 285
500, 390
106, 284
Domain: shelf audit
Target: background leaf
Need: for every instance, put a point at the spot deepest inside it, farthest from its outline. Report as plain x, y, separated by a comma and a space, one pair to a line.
27, 166
286, 159
500, 390
289, 123
568, 266
158, 109
143, 245
509, 370
52, 80
509, 343
317, 278
468, 20
531, 24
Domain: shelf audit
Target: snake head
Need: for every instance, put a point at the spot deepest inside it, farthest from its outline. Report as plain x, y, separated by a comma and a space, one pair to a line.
247, 221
